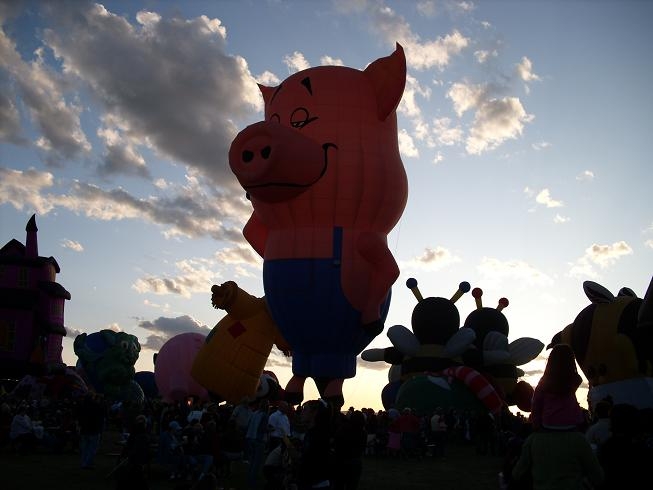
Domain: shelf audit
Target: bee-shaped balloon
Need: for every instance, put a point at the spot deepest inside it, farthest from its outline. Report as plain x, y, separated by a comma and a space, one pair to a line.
495, 357
612, 339
427, 369
435, 342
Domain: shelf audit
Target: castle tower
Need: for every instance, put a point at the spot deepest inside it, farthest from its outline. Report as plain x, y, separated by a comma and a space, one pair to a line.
31, 241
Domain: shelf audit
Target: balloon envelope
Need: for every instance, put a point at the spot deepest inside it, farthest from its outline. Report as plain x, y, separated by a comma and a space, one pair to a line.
172, 370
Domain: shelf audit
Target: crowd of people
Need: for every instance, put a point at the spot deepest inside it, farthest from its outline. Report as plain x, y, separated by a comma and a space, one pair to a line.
317, 445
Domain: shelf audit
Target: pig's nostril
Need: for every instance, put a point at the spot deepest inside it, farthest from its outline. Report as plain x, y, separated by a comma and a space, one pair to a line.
265, 152
248, 156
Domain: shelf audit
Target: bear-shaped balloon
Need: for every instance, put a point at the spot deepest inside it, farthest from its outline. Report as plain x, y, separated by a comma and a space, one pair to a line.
327, 185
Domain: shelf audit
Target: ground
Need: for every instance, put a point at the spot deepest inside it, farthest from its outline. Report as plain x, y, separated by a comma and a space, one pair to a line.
461, 469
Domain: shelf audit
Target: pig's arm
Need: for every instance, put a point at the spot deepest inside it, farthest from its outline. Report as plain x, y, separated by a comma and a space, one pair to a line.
256, 233
373, 249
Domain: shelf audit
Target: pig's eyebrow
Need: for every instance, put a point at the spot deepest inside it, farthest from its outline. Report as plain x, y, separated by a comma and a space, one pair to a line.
306, 82
276, 92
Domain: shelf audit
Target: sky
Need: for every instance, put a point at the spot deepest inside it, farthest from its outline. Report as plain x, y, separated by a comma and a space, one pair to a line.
524, 129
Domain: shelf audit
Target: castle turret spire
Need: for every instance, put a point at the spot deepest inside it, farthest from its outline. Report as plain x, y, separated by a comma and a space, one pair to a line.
31, 241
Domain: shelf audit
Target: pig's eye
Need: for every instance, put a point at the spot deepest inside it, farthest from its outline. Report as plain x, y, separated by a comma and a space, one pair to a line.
275, 118
300, 118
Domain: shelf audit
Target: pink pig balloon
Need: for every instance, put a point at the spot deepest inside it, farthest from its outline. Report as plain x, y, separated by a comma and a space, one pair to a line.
173, 365
327, 184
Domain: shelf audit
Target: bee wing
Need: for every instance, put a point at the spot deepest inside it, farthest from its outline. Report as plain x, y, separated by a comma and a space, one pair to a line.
373, 355
404, 340
460, 342
495, 349
524, 350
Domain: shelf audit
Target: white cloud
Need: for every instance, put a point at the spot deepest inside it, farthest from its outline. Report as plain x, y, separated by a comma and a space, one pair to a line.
606, 255
268, 78
558, 219
466, 96
296, 62
496, 121
427, 8
525, 70
407, 147
432, 259
494, 271
24, 190
445, 134
194, 276
649, 243
603, 256
542, 145
483, 55
330, 61
544, 198
238, 255
72, 245
585, 175
438, 158
408, 105
420, 54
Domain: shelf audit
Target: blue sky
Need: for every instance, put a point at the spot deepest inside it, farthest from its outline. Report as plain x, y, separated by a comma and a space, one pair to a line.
524, 129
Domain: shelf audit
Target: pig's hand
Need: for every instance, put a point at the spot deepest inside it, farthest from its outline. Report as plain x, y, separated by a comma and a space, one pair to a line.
256, 233
373, 249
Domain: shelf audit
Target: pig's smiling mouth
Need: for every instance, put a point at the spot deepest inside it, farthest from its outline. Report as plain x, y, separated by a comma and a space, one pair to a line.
325, 148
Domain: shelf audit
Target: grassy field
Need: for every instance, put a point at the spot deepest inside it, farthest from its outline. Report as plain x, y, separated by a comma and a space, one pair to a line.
461, 469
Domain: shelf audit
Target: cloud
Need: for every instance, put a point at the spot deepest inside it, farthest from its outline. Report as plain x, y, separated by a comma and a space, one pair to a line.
542, 145
496, 121
525, 72
268, 78
466, 96
558, 219
445, 134
544, 198
408, 106
24, 189
649, 243
585, 175
194, 276
145, 77
10, 129
296, 62
42, 93
495, 271
407, 147
427, 8
483, 55
603, 256
186, 210
242, 254
73, 332
420, 54
72, 245
432, 259
121, 155
164, 328
328, 60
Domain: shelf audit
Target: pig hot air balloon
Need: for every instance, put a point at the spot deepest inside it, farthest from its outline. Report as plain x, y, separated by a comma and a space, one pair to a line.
327, 185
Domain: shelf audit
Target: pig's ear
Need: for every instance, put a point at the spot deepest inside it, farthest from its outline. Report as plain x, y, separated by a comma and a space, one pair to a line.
388, 76
267, 92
